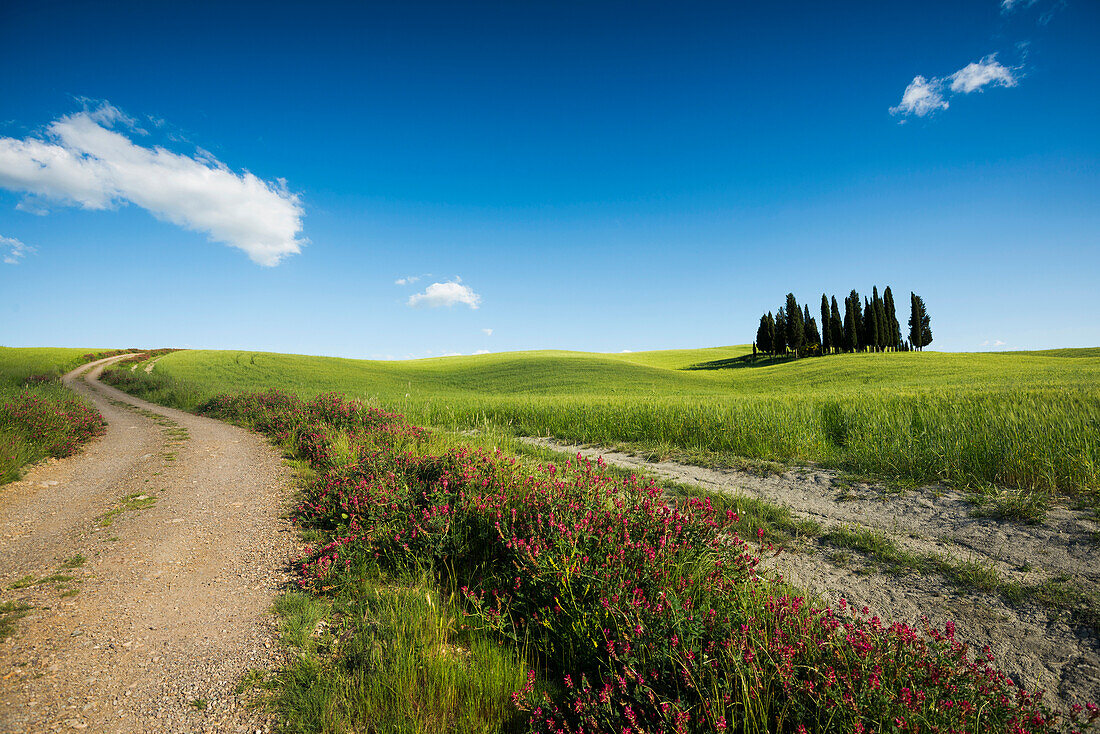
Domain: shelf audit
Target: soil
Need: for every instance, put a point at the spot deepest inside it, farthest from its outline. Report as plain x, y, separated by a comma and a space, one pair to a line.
181, 524
1037, 646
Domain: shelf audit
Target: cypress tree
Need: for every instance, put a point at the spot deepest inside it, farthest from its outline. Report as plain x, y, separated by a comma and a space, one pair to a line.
826, 332
870, 325
780, 331
835, 327
796, 334
813, 336
893, 328
920, 334
763, 338
882, 329
851, 335
857, 321
809, 326
771, 333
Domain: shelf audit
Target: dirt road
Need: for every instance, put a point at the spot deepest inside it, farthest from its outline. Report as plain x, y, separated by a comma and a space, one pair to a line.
151, 561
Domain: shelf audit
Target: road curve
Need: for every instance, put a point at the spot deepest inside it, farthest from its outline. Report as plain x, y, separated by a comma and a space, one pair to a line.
170, 608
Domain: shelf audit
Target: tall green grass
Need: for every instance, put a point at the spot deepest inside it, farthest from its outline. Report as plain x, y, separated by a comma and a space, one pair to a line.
1025, 421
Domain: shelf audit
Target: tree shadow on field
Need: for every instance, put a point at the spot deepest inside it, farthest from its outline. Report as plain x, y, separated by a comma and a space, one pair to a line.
745, 360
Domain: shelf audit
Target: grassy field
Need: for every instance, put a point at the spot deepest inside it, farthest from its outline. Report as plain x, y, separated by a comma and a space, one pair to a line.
1028, 422
39, 417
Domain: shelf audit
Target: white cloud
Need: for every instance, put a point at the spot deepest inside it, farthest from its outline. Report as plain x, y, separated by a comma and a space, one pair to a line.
482, 351
626, 351
977, 74
407, 280
921, 97
13, 250
488, 332
83, 162
451, 354
446, 294
993, 343
924, 96
1009, 5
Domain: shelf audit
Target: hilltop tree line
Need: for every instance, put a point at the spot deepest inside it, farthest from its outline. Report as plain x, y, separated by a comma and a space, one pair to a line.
868, 325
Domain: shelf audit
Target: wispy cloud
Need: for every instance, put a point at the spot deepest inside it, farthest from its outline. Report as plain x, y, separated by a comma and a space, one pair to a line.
488, 332
446, 294
408, 280
993, 343
1009, 5
482, 351
921, 97
978, 74
84, 160
924, 96
13, 250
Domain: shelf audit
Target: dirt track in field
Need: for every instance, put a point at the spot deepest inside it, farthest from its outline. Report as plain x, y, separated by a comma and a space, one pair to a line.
170, 608
1037, 646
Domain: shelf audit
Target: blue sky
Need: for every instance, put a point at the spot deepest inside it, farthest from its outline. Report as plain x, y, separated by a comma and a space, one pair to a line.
595, 176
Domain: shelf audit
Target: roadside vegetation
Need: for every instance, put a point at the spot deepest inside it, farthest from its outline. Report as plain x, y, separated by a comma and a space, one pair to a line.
1019, 430
474, 591
39, 417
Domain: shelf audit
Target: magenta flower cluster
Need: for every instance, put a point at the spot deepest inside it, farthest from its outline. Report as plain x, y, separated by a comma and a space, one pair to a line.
57, 423
644, 615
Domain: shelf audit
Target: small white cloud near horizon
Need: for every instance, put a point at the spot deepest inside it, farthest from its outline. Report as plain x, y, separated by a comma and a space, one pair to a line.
13, 250
993, 343
84, 161
446, 294
487, 332
482, 351
925, 96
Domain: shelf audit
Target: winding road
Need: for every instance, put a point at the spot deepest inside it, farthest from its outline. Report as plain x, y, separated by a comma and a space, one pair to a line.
151, 561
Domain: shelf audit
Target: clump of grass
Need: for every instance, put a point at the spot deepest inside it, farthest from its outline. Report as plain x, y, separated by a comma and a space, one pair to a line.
199, 704
130, 503
10, 613
387, 657
28, 580
75, 562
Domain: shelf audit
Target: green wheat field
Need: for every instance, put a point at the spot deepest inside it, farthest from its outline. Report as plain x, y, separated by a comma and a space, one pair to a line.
1026, 421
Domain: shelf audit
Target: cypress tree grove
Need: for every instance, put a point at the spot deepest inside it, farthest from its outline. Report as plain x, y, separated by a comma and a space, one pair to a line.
920, 333
796, 333
868, 324
835, 327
